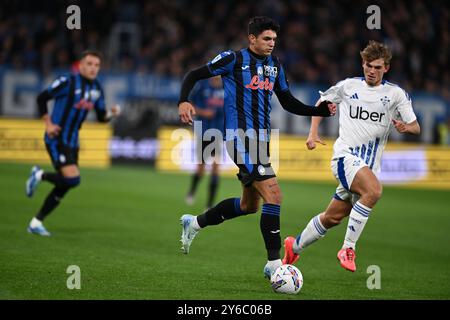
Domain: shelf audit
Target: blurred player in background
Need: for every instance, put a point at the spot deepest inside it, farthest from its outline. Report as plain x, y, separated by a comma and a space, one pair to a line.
369, 108
74, 96
250, 77
207, 98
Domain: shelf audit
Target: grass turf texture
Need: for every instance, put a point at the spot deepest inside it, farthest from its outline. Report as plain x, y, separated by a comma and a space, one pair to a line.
121, 227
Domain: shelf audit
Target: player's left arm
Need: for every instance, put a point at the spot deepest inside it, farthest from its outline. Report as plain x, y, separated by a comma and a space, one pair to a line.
408, 122
104, 114
411, 128
295, 106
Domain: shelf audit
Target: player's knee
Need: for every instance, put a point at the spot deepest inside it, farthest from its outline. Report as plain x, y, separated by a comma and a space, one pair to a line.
71, 182
276, 198
375, 193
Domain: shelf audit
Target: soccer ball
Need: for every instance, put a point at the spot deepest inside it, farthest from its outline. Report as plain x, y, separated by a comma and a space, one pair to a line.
287, 279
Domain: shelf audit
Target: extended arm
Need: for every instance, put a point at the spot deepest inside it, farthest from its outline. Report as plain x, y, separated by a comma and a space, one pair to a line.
293, 105
411, 128
185, 109
313, 136
51, 128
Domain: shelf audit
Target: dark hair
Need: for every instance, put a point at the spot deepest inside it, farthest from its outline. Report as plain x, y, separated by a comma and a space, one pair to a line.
257, 25
91, 52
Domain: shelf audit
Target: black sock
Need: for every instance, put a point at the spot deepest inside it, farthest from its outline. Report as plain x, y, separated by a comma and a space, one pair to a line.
51, 202
270, 229
224, 210
195, 180
53, 177
214, 182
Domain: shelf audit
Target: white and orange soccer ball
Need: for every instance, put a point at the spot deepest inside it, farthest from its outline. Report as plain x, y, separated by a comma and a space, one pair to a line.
287, 279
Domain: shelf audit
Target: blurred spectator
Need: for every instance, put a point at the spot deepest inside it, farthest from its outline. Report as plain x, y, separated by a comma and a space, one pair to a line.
319, 40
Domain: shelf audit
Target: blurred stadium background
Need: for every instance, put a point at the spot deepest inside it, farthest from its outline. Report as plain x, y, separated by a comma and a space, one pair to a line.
149, 46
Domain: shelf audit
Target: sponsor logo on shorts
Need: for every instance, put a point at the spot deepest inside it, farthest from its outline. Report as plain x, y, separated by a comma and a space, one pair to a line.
261, 170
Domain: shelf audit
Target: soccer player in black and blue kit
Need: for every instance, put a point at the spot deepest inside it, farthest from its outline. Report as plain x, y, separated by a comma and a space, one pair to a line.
74, 96
250, 76
207, 98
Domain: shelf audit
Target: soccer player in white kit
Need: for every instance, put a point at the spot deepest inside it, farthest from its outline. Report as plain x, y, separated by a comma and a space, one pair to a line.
369, 108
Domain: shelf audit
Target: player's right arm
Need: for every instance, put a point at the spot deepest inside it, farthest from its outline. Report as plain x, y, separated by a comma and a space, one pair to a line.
58, 88
220, 65
313, 135
333, 94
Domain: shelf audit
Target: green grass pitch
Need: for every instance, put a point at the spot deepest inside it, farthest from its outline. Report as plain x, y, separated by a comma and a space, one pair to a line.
121, 227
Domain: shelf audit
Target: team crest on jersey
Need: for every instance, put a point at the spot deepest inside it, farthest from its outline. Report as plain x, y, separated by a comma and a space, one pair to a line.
260, 71
385, 101
94, 94
270, 71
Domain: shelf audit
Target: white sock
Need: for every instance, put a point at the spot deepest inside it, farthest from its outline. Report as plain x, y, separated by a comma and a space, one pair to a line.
39, 174
356, 222
314, 231
35, 223
274, 263
195, 224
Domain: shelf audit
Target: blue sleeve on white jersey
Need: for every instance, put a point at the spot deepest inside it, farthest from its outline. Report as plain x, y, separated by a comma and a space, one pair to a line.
222, 63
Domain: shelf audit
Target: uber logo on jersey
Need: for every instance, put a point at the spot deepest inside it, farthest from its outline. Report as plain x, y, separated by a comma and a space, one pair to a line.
270, 71
362, 114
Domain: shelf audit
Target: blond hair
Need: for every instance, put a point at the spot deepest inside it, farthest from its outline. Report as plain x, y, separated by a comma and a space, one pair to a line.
376, 50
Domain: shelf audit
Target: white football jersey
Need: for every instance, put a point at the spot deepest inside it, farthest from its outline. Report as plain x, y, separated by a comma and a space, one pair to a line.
365, 117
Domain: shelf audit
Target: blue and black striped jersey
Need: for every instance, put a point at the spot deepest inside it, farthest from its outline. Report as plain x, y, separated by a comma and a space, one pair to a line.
74, 97
249, 82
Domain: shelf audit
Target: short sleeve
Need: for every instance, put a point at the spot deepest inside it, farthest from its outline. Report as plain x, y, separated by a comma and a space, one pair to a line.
404, 107
222, 64
59, 87
281, 83
334, 94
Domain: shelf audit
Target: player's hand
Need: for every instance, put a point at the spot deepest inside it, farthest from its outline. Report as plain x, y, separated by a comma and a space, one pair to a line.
400, 126
116, 110
52, 130
186, 110
311, 141
332, 108
327, 108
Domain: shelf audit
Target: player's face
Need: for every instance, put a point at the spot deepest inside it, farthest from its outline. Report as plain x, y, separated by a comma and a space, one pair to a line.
374, 71
89, 67
264, 43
